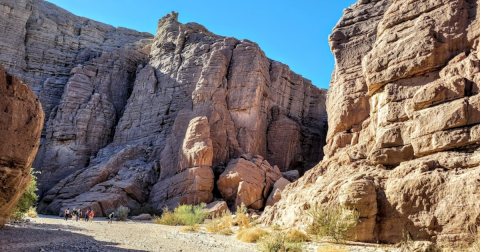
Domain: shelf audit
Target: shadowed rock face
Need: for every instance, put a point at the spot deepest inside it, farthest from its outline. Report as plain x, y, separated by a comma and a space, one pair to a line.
20, 126
402, 144
135, 119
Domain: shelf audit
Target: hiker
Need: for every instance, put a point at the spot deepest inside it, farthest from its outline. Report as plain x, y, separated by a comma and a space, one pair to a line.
77, 215
92, 214
80, 214
110, 217
87, 214
73, 214
66, 213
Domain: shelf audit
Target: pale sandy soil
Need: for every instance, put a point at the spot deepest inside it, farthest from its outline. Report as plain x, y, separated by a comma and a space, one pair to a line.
49, 233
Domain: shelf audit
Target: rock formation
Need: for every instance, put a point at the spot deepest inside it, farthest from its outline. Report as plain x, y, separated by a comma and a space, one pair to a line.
20, 126
403, 127
134, 118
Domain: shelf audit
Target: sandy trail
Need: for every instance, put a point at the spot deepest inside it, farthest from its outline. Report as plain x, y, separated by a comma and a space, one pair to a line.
48, 233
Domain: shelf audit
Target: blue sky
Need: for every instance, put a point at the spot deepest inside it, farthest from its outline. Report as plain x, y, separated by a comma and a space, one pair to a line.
293, 32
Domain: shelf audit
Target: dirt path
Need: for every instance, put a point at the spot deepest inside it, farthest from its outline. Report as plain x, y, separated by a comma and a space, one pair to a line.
48, 233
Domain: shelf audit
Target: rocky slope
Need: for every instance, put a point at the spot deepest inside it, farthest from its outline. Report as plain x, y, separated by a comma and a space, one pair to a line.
403, 137
20, 126
135, 119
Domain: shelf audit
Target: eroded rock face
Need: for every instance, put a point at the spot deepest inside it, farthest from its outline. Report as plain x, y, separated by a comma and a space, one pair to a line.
134, 118
20, 126
403, 124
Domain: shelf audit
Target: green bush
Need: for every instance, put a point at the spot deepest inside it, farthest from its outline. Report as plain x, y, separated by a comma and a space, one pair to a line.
27, 200
190, 215
183, 215
333, 221
122, 213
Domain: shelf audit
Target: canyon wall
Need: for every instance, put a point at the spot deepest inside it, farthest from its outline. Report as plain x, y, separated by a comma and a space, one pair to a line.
20, 126
134, 119
403, 136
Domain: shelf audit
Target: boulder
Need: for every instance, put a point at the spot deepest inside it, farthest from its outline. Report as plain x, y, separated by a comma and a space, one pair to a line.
20, 126
291, 176
142, 217
276, 193
216, 208
248, 182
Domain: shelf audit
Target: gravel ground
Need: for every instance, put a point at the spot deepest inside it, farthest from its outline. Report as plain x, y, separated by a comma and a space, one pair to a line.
49, 233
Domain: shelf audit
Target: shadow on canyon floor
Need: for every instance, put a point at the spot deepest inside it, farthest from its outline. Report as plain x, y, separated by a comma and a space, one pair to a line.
50, 237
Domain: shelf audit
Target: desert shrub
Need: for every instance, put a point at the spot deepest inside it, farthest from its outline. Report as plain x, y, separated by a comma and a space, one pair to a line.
221, 224
122, 213
242, 219
193, 228
191, 215
296, 236
32, 213
146, 209
27, 200
277, 242
188, 215
168, 218
334, 221
251, 235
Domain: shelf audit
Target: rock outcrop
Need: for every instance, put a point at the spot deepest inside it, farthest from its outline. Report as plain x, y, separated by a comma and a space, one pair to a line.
20, 126
133, 118
402, 142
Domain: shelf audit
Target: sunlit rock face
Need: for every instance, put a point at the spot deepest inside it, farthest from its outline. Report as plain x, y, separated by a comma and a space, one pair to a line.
403, 108
135, 119
20, 126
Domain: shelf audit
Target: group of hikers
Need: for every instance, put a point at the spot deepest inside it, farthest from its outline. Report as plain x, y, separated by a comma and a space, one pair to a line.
76, 214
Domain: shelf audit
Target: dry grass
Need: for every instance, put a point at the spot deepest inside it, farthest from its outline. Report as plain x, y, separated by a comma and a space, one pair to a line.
168, 218
193, 228
331, 248
242, 219
221, 224
32, 212
296, 236
251, 235
332, 221
276, 241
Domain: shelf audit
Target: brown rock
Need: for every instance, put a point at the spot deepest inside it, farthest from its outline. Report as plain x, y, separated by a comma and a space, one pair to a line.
276, 193
248, 182
20, 126
190, 187
216, 208
142, 217
403, 136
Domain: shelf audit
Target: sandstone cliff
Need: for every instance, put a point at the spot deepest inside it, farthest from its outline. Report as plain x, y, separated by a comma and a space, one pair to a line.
135, 119
403, 137
20, 126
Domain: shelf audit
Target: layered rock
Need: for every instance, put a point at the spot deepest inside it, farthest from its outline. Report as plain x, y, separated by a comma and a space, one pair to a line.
134, 119
20, 127
402, 138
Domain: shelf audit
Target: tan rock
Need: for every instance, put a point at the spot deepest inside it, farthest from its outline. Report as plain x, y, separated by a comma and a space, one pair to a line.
197, 149
248, 182
216, 208
20, 127
276, 193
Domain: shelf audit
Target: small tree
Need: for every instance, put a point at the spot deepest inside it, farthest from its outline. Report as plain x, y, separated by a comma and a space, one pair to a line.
28, 198
122, 213
333, 221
